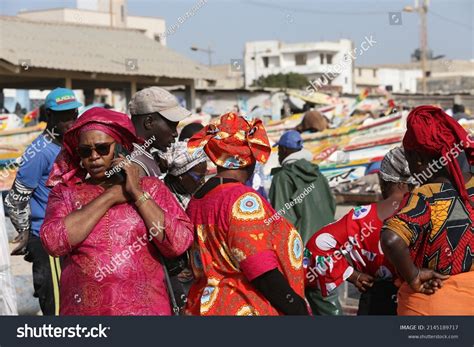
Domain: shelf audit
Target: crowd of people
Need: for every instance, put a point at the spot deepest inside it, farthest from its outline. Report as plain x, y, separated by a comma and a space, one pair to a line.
119, 218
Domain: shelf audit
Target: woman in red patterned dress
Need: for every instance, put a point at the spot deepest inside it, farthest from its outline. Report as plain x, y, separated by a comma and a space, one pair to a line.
244, 262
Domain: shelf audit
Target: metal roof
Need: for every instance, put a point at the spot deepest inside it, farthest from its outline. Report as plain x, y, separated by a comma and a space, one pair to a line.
95, 49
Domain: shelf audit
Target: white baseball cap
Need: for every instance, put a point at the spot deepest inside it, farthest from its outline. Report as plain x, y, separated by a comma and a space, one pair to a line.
156, 99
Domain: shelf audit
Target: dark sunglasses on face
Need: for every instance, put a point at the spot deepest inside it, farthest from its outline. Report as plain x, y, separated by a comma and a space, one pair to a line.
85, 151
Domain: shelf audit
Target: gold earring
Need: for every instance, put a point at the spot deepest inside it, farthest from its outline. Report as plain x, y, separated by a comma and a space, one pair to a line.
419, 162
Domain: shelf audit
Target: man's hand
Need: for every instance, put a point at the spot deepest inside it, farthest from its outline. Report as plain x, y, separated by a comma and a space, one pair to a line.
22, 240
361, 280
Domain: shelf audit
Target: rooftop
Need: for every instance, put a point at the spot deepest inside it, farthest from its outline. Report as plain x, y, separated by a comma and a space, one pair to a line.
93, 49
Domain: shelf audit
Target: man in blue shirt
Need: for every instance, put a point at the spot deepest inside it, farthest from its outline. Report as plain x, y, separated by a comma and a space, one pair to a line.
26, 201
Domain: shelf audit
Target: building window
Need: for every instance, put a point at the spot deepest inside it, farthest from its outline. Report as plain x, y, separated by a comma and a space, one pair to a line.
122, 13
158, 38
345, 80
321, 58
375, 73
360, 72
329, 58
265, 61
300, 59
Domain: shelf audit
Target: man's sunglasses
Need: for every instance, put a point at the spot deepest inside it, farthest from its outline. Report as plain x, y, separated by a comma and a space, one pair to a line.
85, 151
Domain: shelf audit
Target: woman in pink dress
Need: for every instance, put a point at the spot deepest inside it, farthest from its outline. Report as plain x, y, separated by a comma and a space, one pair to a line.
108, 227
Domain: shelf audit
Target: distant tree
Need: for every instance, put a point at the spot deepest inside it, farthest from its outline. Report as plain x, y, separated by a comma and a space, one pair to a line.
288, 80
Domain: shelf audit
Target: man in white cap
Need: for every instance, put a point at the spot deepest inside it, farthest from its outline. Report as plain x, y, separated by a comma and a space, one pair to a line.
155, 114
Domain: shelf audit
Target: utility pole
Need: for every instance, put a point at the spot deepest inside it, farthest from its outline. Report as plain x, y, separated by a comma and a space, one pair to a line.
111, 13
209, 52
255, 66
422, 10
209, 55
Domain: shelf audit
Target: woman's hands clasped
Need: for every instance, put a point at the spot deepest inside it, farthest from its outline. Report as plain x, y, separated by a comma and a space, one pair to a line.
130, 189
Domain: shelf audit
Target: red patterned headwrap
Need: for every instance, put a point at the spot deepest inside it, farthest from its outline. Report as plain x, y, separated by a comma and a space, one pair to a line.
66, 168
430, 130
233, 142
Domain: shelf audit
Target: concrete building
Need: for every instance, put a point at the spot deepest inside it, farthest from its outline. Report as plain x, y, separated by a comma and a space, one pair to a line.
215, 102
365, 78
444, 76
111, 13
311, 59
229, 77
398, 80
450, 76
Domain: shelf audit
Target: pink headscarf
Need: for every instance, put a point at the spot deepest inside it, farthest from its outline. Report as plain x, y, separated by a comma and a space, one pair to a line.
66, 168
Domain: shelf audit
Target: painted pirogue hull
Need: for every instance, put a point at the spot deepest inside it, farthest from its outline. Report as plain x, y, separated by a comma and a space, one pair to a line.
12, 145
349, 152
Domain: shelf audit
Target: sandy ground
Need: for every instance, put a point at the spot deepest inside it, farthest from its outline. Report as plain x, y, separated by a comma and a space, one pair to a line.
28, 305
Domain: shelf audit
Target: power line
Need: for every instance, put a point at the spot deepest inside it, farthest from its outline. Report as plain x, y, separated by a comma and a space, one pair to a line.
344, 13
450, 20
310, 10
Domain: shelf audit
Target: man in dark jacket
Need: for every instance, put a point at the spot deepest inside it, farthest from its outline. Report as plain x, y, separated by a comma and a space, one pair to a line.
299, 189
301, 194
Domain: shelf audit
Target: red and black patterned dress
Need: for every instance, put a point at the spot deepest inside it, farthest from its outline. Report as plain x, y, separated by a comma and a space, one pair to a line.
435, 224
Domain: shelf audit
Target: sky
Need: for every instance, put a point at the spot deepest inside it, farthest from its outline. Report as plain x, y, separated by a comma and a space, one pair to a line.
225, 25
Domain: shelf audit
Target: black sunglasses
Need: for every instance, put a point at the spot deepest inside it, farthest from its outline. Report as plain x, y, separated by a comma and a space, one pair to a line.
85, 151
